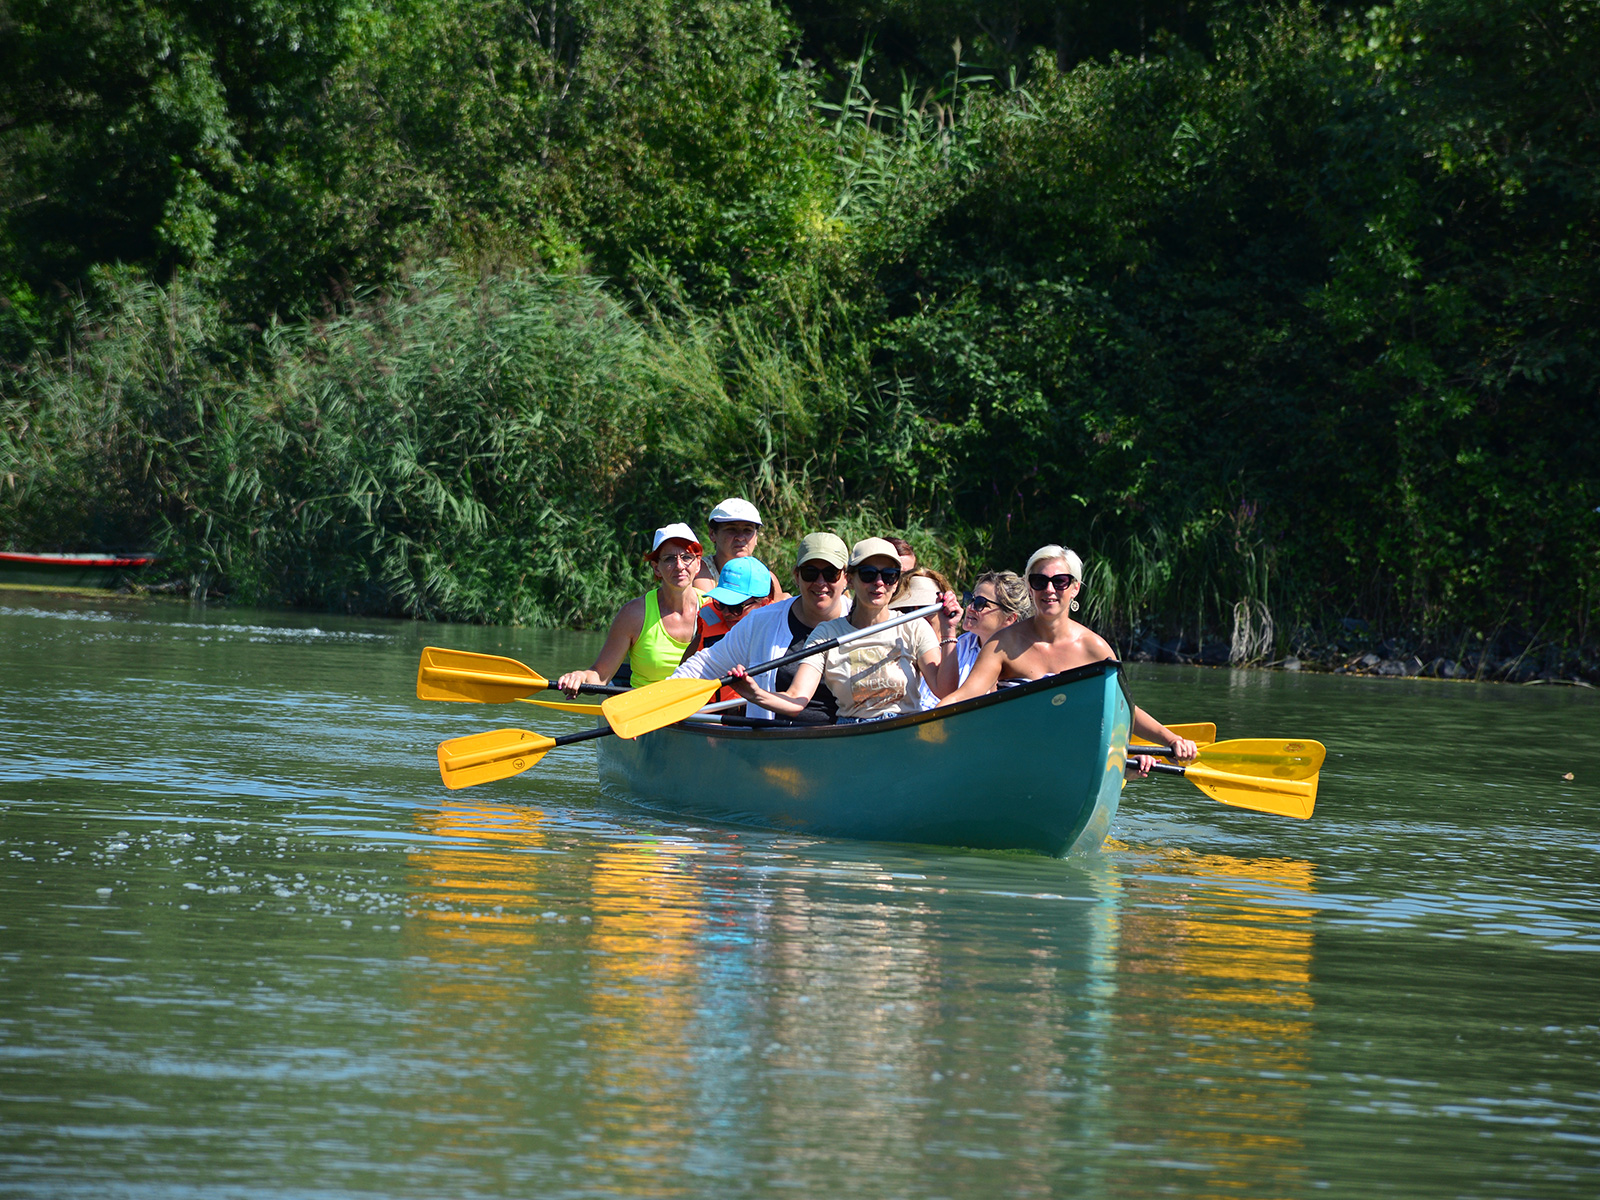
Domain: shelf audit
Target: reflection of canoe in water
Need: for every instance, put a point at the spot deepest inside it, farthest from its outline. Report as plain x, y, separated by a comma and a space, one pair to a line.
1034, 767
69, 570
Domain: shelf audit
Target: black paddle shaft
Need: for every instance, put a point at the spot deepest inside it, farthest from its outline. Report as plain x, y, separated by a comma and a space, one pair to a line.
1166, 769
567, 739
820, 647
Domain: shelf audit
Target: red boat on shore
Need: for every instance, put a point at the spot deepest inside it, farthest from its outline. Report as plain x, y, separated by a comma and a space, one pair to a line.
70, 570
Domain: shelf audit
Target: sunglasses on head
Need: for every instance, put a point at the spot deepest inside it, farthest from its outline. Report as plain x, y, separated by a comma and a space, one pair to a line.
889, 575
1040, 582
811, 574
979, 604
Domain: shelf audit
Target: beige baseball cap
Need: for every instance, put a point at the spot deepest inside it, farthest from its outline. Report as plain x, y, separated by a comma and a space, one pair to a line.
821, 547
873, 548
919, 593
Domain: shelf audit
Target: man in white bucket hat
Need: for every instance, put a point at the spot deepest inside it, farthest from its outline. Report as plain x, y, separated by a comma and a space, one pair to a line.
735, 528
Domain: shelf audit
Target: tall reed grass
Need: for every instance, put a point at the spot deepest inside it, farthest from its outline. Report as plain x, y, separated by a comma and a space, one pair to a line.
493, 449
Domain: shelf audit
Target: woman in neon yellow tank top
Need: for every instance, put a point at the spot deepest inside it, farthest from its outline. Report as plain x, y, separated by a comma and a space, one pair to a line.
654, 630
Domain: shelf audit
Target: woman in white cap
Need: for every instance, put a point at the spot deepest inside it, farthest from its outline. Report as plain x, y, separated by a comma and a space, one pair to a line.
735, 529
653, 630
1051, 642
877, 676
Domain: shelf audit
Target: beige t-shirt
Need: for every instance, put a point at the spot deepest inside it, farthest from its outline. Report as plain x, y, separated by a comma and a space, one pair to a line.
876, 675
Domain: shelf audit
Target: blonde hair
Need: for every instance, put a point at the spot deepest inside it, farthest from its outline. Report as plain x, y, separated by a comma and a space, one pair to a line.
1010, 591
1046, 553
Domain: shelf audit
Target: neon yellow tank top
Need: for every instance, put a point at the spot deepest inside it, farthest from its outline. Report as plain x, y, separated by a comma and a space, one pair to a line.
656, 655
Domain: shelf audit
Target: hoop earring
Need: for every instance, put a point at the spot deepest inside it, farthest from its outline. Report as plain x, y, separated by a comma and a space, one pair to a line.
1074, 606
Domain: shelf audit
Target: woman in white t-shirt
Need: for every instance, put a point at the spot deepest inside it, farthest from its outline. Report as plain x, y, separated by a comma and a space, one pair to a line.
875, 676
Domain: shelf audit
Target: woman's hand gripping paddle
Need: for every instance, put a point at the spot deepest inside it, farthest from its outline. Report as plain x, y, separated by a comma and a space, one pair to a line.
1291, 794
1265, 758
657, 705
1202, 734
460, 675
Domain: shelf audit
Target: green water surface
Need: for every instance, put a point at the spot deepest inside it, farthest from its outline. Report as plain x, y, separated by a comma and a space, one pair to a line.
249, 946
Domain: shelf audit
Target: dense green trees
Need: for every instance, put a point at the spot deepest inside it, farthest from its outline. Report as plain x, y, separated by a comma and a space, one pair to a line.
1294, 308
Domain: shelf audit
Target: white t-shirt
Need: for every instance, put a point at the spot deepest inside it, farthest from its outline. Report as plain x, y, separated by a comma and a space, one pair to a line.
876, 675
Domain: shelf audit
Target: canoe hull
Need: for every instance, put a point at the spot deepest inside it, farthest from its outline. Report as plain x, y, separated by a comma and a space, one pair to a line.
69, 570
1036, 767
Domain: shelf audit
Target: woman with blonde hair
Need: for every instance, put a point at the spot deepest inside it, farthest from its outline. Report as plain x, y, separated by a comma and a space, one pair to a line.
997, 600
1051, 642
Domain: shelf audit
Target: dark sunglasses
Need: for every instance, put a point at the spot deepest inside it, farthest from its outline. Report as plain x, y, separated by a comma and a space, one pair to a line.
889, 575
978, 604
812, 574
1040, 582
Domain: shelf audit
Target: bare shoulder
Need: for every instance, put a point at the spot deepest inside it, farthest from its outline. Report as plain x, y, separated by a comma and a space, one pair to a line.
630, 618
1095, 647
1011, 641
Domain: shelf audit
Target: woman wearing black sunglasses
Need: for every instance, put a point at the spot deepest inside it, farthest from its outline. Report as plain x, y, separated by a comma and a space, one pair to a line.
820, 585
1051, 642
873, 677
998, 600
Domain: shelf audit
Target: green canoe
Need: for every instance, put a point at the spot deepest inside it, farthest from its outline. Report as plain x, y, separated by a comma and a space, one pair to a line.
1032, 767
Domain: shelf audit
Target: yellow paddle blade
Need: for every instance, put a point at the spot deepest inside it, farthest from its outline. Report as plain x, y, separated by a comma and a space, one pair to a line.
484, 678
566, 706
1266, 758
1285, 797
1201, 734
657, 705
485, 757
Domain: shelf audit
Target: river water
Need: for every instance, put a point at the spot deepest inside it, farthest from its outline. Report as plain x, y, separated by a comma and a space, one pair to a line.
249, 946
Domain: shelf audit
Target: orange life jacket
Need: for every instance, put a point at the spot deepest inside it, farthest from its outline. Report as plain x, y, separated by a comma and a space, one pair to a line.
714, 626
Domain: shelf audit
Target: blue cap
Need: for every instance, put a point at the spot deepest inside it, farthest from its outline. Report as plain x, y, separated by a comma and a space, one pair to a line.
741, 579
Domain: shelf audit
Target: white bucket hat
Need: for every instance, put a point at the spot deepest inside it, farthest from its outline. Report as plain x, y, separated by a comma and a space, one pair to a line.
734, 509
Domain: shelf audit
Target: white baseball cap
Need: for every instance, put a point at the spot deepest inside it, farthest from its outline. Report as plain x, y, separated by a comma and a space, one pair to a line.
676, 530
735, 509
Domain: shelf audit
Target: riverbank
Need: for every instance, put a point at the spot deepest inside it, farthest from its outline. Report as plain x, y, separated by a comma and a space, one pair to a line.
1257, 312
1532, 663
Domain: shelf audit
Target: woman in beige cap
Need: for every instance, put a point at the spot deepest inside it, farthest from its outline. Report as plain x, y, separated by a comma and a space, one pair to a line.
820, 585
874, 677
654, 630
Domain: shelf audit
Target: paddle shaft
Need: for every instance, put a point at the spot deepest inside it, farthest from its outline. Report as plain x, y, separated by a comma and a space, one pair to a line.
807, 651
